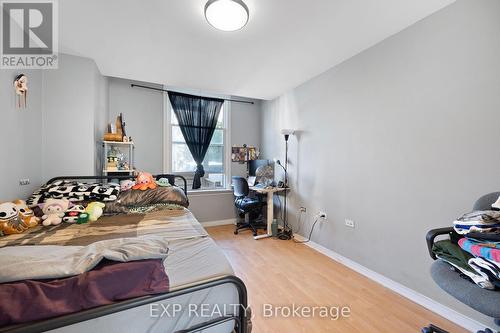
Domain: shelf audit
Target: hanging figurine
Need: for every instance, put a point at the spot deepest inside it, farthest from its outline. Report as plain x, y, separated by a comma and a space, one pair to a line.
21, 87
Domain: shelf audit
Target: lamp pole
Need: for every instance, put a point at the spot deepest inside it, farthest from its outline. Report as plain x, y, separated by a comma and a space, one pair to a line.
285, 235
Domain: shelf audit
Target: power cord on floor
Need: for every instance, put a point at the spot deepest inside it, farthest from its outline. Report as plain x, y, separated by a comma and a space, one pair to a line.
310, 233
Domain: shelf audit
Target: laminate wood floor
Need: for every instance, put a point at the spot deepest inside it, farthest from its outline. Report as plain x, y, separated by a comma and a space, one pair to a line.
283, 273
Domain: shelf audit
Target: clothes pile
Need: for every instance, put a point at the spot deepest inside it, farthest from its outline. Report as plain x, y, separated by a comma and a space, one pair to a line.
477, 254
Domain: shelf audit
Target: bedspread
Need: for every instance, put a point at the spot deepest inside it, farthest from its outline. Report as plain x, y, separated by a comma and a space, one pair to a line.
172, 224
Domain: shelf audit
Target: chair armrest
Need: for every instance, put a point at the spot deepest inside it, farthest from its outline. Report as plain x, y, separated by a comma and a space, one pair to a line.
432, 234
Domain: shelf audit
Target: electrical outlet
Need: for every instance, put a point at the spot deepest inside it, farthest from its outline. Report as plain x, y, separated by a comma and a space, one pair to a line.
350, 223
322, 215
303, 209
23, 182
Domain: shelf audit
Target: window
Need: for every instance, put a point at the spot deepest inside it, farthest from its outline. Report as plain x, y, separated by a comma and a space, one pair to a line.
214, 163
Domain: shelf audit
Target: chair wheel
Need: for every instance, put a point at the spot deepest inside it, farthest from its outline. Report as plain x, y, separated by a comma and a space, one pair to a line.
236, 232
254, 234
426, 330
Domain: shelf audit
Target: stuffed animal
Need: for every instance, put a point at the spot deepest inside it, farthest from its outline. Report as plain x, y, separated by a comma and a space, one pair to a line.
26, 214
163, 182
144, 181
53, 211
95, 210
126, 185
83, 218
73, 214
10, 222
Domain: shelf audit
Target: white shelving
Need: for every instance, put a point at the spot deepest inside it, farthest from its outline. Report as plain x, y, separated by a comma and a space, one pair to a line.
118, 143
120, 154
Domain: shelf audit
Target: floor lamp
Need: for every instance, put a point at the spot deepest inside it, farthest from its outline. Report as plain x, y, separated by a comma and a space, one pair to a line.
286, 233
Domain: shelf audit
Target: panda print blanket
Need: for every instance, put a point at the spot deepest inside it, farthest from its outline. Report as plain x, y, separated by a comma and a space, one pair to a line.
75, 192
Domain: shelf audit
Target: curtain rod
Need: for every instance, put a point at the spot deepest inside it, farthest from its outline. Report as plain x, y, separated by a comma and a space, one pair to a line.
163, 90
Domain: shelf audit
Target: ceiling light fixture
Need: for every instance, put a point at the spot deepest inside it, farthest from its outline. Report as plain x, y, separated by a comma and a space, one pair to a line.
227, 15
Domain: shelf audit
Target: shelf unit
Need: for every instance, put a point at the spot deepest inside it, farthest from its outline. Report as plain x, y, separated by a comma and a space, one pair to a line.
119, 153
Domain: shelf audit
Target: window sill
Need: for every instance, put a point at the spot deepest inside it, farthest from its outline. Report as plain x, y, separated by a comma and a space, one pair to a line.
218, 191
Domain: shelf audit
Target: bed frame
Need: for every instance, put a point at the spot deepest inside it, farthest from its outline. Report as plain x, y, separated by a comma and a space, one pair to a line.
171, 179
240, 319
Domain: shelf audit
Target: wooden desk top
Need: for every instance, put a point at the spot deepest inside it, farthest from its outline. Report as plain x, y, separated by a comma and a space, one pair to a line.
267, 189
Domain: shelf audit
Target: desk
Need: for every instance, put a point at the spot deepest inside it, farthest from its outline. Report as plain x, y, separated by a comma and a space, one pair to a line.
270, 206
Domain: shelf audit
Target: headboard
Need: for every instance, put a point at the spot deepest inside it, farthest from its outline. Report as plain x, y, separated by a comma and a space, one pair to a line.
171, 179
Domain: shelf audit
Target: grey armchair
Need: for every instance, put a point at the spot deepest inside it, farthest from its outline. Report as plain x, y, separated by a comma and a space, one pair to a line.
484, 301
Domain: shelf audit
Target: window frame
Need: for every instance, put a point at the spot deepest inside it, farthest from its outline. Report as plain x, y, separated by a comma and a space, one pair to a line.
168, 144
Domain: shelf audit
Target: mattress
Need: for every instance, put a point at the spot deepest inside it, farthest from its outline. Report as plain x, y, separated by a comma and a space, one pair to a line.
193, 258
184, 269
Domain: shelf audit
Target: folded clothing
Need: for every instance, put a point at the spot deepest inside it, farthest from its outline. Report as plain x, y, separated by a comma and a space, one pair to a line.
480, 236
483, 221
480, 217
459, 259
51, 298
480, 250
484, 242
496, 204
466, 229
489, 269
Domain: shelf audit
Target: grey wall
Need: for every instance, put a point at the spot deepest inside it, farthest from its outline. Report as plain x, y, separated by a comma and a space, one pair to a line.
20, 136
56, 134
400, 138
101, 116
71, 103
212, 206
245, 129
143, 113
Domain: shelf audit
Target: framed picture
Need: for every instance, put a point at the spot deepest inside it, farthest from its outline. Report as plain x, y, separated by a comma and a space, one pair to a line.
253, 153
243, 153
238, 154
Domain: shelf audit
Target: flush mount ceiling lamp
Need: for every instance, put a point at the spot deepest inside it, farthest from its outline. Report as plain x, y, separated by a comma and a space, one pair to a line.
227, 15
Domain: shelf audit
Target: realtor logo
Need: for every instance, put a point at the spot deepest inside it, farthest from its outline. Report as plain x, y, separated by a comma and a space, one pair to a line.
29, 34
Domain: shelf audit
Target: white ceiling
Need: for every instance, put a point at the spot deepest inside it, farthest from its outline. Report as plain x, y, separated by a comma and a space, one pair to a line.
285, 43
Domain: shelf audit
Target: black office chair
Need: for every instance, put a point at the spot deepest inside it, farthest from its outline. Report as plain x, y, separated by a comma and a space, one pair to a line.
249, 209
484, 301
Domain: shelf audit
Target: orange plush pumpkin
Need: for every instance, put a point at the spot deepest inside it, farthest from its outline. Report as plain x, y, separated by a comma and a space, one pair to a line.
144, 182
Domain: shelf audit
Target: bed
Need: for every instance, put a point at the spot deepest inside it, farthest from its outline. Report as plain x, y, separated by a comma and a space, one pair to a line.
203, 293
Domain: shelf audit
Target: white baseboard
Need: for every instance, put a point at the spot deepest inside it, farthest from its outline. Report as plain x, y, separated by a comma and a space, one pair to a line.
218, 222
442, 310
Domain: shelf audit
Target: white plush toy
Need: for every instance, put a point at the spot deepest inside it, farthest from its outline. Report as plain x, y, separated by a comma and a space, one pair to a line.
53, 211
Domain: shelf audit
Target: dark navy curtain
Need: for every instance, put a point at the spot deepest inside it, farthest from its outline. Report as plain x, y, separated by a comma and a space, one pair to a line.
197, 118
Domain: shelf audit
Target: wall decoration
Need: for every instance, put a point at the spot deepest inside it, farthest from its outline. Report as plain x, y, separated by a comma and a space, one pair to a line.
253, 153
21, 89
244, 153
238, 154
